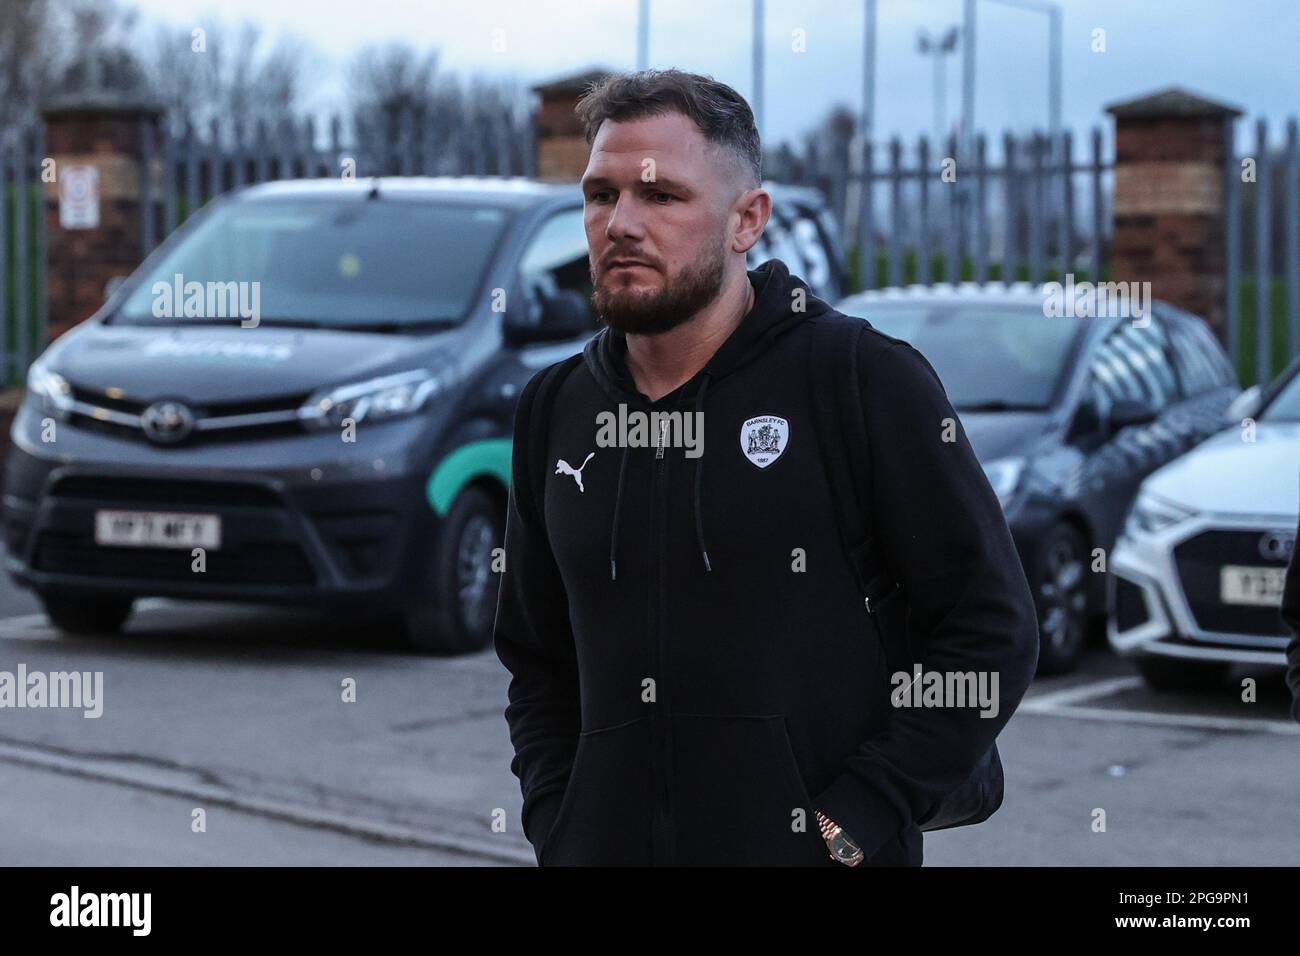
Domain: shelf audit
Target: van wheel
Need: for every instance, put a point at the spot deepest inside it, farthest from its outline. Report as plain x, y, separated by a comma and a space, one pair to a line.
458, 601
1059, 578
86, 615
1174, 674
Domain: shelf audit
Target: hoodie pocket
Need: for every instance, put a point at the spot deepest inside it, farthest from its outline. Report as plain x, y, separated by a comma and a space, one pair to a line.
738, 796
604, 817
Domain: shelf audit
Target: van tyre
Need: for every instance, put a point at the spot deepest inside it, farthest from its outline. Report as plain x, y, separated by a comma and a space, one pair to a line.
1175, 674
86, 615
1059, 579
458, 594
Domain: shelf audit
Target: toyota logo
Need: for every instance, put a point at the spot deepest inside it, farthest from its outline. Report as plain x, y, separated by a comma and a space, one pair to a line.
1277, 545
167, 422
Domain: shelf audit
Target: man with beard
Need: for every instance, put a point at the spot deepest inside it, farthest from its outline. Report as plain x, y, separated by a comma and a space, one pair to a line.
695, 679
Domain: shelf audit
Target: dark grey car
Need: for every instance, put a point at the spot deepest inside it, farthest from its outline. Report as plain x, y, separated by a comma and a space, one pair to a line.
1067, 415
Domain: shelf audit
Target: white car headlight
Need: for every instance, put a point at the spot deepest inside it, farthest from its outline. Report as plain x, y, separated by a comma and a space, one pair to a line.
50, 389
376, 399
1151, 513
1004, 475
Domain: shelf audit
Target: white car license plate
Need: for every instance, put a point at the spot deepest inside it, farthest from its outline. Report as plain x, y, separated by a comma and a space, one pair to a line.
157, 529
1242, 584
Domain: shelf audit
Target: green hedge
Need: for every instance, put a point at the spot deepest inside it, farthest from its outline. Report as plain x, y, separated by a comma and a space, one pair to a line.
1247, 298
939, 270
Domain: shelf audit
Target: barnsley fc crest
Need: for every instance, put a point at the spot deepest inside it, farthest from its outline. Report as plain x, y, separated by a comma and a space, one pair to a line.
764, 438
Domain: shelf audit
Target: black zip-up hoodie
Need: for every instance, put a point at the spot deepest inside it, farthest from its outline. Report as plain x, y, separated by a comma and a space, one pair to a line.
693, 669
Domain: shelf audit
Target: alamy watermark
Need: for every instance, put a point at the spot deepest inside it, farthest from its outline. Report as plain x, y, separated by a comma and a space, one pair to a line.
82, 690
639, 429
208, 300
128, 910
946, 689
1123, 300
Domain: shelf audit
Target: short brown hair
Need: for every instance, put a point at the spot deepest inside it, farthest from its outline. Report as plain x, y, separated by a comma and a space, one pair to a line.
719, 112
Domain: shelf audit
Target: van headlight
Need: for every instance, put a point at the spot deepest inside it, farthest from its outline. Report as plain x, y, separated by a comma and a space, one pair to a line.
1004, 475
1151, 513
376, 399
50, 389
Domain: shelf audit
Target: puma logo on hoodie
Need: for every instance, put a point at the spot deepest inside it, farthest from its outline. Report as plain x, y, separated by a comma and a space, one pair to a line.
562, 467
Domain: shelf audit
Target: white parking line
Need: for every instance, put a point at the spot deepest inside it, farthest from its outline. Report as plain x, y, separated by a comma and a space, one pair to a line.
1062, 703
1074, 695
1189, 721
29, 626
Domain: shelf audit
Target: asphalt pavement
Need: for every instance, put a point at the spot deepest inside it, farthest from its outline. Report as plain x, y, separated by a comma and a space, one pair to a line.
225, 739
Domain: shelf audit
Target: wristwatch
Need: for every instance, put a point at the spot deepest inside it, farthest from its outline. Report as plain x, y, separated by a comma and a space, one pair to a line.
841, 845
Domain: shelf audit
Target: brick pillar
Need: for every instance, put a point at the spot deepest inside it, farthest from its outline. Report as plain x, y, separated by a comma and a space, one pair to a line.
79, 262
562, 150
1170, 160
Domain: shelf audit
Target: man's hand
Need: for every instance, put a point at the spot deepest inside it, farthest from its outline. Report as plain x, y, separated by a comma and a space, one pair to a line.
841, 847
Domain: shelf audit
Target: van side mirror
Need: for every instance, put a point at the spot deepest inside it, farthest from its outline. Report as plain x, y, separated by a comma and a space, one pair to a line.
1130, 411
1087, 426
554, 317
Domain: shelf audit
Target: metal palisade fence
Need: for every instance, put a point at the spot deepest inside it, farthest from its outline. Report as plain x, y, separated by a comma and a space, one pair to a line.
1036, 211
1262, 307
1022, 208
183, 168
920, 214
197, 165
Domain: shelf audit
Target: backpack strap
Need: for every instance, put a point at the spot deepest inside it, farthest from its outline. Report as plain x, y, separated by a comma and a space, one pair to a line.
842, 437
537, 433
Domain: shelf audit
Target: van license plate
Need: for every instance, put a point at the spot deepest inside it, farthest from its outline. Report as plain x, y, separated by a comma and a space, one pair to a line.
157, 529
1241, 584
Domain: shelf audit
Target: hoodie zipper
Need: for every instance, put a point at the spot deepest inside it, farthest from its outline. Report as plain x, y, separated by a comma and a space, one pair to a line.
662, 832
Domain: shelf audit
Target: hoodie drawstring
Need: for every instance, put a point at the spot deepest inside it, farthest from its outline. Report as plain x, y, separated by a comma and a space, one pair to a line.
699, 508
699, 476
618, 504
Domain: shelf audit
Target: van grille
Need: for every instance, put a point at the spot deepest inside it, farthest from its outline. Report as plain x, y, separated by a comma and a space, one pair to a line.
255, 563
104, 489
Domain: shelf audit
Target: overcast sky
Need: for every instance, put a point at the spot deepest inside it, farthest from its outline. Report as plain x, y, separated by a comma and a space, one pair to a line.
1240, 51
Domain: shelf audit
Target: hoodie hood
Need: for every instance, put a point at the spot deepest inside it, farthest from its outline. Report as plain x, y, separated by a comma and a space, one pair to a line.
772, 314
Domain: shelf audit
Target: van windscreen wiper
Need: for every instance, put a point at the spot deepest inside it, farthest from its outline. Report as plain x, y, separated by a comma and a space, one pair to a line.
232, 321
999, 405
392, 328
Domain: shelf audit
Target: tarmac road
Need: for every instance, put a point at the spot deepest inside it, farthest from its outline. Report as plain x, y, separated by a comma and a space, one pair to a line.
238, 712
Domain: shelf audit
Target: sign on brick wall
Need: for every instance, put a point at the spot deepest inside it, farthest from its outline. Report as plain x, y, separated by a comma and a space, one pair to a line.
79, 197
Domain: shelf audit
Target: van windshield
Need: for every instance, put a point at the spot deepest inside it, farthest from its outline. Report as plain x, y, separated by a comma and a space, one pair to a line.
327, 262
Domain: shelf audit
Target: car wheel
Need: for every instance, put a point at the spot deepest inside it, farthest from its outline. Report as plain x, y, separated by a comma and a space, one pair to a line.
459, 598
1060, 582
1172, 673
86, 615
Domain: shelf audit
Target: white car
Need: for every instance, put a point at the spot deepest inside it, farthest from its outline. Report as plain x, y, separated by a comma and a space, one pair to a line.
1196, 576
